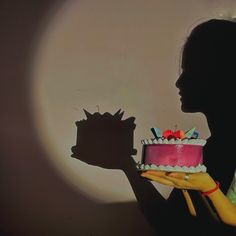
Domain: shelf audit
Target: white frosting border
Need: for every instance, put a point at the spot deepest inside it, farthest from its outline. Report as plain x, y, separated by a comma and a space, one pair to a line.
200, 142
192, 169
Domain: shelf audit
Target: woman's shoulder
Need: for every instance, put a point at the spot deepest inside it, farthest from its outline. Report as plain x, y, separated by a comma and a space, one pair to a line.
231, 194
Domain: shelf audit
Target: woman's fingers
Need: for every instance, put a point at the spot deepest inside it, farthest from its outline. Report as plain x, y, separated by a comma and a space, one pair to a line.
157, 178
181, 182
179, 175
164, 177
174, 179
156, 172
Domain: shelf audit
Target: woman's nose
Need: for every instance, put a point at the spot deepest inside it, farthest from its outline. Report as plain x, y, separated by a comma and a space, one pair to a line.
178, 81
182, 79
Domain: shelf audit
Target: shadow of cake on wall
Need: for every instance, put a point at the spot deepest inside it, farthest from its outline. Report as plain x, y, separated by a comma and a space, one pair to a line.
105, 140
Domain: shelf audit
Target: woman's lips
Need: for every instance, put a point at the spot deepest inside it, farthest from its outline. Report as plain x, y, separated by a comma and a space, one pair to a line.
181, 96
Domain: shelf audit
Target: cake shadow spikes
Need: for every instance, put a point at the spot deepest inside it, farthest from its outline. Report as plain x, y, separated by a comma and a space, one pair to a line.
88, 115
110, 137
119, 114
130, 121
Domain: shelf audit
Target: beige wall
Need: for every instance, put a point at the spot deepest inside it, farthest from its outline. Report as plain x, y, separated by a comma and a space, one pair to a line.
107, 53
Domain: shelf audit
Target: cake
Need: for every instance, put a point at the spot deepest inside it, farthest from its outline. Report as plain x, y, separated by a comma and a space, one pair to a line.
173, 151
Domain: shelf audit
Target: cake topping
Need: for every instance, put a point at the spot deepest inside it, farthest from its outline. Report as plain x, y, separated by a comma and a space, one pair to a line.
168, 136
156, 132
191, 133
178, 134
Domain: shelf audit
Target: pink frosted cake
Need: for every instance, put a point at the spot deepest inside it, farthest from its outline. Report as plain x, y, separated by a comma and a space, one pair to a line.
173, 151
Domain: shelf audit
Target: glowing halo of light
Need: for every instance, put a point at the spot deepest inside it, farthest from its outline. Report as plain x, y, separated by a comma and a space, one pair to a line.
80, 42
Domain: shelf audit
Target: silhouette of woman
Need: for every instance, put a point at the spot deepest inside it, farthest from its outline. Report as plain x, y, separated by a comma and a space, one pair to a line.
206, 85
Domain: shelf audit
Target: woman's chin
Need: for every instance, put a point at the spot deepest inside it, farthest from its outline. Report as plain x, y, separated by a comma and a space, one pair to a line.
188, 109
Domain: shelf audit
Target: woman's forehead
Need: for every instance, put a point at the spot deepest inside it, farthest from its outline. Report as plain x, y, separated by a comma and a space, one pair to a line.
195, 58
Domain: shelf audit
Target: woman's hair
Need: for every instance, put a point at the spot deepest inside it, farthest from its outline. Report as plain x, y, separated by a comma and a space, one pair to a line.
212, 46
215, 40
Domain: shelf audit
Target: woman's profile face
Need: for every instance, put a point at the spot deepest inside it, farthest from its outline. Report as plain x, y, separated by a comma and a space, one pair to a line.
193, 80
208, 67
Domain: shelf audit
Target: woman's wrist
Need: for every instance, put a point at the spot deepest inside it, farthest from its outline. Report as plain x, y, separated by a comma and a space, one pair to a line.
211, 190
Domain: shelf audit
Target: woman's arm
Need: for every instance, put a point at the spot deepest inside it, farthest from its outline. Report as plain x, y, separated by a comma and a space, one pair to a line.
224, 207
151, 202
203, 183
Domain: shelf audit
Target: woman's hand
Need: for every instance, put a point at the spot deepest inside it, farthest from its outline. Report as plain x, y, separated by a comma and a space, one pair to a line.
196, 181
